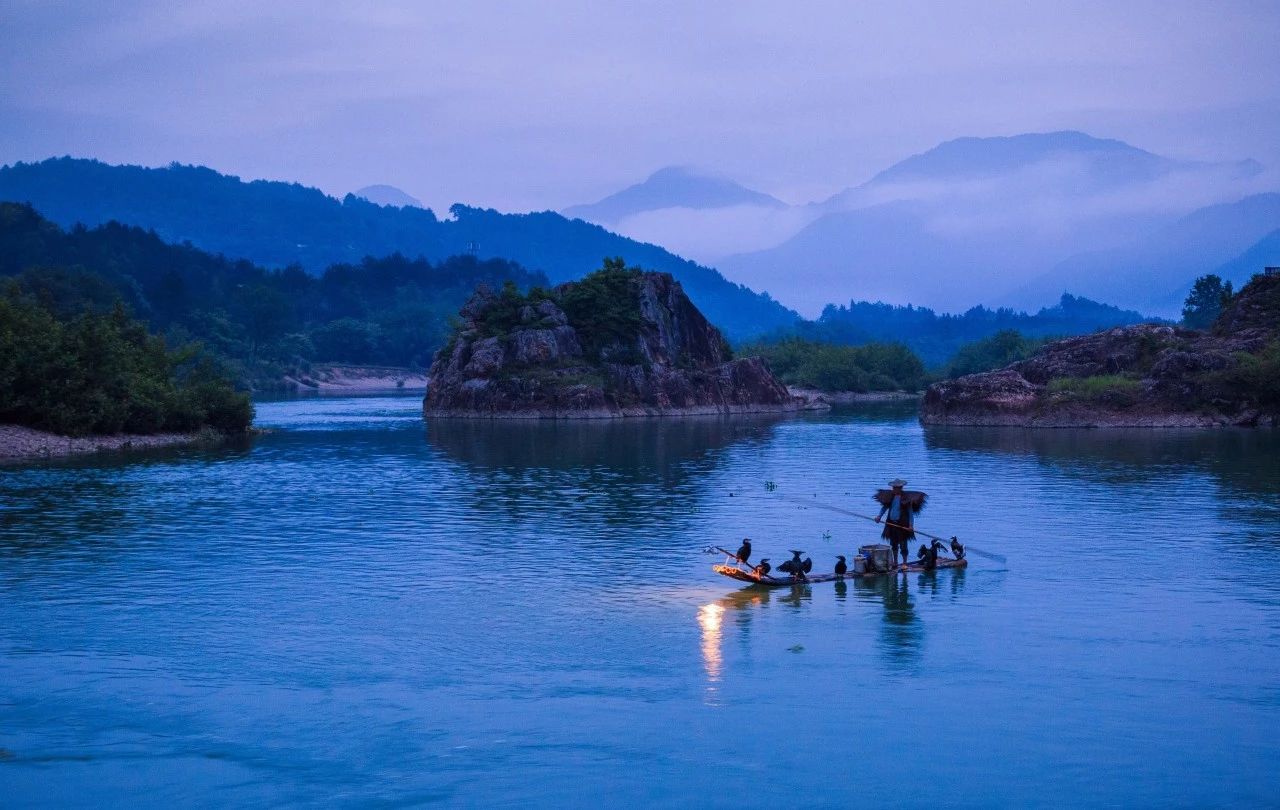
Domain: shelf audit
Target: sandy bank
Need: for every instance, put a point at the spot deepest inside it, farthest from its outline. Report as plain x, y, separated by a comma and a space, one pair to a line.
334, 378
24, 444
851, 397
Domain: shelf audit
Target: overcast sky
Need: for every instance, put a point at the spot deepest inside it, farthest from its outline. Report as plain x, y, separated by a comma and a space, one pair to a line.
538, 105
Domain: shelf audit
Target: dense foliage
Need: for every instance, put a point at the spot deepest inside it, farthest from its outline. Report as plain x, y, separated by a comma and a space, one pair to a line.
282, 224
1004, 347
936, 338
603, 308
392, 311
829, 367
104, 373
1204, 303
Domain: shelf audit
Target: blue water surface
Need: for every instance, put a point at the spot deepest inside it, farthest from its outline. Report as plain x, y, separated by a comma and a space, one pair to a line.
360, 608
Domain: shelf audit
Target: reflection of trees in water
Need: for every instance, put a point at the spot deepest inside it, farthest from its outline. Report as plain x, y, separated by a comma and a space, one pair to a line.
1239, 458
607, 471
91, 499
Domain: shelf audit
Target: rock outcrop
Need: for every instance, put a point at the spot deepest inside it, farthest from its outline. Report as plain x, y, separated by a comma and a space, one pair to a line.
1148, 375
618, 343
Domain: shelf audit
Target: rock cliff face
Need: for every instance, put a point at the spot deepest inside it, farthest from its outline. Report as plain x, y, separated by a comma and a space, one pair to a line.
618, 343
1147, 375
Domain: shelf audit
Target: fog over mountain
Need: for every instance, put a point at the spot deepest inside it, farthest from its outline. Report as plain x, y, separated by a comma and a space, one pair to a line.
1155, 270
978, 219
695, 213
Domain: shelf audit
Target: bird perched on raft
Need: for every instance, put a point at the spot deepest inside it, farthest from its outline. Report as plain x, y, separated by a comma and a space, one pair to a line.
795, 566
763, 569
841, 567
744, 551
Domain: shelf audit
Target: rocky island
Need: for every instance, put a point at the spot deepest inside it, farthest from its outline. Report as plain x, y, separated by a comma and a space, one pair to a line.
620, 342
1148, 375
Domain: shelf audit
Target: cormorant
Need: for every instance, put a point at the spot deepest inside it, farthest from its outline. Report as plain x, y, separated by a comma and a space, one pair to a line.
957, 549
763, 569
744, 553
795, 565
841, 567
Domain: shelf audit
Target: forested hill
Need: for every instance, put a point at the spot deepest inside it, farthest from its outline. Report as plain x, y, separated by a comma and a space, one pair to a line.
388, 311
277, 224
937, 337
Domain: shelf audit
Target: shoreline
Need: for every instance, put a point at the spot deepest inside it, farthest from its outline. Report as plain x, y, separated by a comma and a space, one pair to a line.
632, 412
19, 443
336, 378
852, 397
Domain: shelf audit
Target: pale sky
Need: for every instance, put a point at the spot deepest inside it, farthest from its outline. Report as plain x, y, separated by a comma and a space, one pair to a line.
538, 105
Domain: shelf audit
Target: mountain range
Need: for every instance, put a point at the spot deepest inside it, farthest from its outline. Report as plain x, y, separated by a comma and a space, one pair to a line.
1011, 220
276, 224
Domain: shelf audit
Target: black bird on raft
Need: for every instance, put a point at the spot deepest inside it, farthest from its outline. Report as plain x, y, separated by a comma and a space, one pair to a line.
957, 549
763, 569
794, 565
744, 551
841, 566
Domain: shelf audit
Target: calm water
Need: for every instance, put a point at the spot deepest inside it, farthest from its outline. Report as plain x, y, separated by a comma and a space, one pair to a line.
358, 608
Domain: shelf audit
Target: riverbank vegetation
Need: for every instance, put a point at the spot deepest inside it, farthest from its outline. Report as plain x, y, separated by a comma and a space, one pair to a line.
828, 367
103, 373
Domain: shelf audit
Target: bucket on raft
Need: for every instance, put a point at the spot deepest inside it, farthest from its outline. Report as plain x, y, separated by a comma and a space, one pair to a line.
878, 557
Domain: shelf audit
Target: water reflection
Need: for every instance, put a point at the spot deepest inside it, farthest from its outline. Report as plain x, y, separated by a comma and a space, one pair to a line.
710, 618
901, 634
593, 474
635, 449
1230, 455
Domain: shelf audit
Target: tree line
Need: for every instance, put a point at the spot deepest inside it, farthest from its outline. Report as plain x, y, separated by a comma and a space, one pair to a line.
385, 311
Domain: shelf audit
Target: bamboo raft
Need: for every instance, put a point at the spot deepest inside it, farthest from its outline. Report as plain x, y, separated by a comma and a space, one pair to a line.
734, 572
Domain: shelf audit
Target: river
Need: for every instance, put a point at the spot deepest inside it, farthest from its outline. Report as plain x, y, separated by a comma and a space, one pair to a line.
362, 608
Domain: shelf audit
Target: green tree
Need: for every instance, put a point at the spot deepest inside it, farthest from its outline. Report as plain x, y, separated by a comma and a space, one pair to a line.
1207, 298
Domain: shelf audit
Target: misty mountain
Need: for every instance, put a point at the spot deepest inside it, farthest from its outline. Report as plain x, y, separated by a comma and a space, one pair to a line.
976, 219
387, 195
672, 187
1155, 271
695, 213
1093, 164
276, 224
1263, 253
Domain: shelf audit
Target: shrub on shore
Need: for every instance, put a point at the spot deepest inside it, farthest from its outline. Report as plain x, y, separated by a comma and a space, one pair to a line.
104, 374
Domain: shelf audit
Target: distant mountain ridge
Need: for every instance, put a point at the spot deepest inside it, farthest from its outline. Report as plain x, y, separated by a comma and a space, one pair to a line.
380, 194
277, 224
672, 187
1159, 267
982, 218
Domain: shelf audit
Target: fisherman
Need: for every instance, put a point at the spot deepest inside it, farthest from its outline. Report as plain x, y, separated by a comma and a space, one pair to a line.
901, 506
